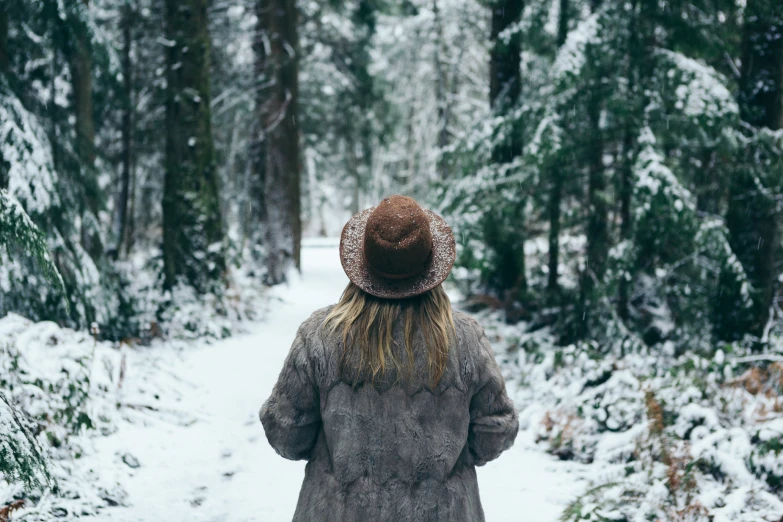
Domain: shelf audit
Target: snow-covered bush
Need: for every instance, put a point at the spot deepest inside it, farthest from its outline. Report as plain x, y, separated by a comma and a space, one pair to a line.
671, 435
59, 388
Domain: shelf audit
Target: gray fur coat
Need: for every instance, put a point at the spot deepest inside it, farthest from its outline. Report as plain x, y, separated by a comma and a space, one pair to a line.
393, 451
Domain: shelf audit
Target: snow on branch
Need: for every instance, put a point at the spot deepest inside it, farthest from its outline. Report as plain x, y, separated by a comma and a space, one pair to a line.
571, 56
654, 178
701, 91
21, 456
25, 149
17, 228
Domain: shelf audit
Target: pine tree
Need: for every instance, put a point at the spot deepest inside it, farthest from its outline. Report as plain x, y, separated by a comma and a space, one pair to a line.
753, 213
192, 226
42, 169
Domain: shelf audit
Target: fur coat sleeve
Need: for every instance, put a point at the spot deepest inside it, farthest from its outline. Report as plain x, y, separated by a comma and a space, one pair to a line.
493, 420
291, 416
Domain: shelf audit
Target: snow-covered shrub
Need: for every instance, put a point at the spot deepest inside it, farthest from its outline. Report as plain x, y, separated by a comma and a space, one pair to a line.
671, 435
59, 388
21, 458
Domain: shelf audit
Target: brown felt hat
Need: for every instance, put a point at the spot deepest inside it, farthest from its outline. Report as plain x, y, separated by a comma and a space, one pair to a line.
397, 249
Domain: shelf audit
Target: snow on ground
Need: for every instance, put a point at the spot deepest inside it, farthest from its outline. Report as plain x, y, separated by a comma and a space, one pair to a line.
190, 447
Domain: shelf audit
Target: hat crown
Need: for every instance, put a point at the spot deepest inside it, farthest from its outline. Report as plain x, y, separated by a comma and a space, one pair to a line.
397, 238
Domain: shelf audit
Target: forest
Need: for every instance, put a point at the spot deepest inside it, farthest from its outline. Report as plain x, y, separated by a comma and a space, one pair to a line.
613, 173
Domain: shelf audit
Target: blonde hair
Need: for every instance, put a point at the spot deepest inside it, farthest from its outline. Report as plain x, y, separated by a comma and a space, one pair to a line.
367, 323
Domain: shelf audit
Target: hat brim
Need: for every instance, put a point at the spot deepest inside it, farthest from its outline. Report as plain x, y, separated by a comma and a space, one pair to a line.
444, 252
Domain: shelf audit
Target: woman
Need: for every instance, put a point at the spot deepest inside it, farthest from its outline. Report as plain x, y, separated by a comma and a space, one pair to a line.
391, 397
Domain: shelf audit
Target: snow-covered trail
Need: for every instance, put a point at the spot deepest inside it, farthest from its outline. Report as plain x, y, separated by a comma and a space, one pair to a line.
202, 456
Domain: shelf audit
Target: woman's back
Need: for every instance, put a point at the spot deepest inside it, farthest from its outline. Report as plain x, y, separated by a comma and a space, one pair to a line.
391, 397
397, 448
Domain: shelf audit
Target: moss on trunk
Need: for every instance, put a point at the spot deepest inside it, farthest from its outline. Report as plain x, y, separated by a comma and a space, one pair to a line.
192, 225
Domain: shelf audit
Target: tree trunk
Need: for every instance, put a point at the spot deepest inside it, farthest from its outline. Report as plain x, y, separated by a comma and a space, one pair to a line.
597, 219
352, 162
78, 52
555, 198
626, 192
752, 217
505, 81
597, 200
192, 228
641, 20
4, 58
505, 84
562, 23
441, 94
80, 67
123, 235
598, 208
277, 60
597, 230
761, 80
557, 175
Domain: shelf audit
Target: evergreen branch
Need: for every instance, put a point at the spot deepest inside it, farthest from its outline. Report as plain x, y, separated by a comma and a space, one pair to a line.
17, 228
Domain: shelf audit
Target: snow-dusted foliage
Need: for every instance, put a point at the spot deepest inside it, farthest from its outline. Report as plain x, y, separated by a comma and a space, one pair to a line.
670, 435
59, 389
648, 133
40, 169
19, 235
25, 149
21, 458
432, 60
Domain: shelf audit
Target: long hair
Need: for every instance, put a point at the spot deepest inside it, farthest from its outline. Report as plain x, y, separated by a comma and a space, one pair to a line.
367, 322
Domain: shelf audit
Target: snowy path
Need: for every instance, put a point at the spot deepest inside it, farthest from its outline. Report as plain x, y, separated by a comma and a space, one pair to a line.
203, 456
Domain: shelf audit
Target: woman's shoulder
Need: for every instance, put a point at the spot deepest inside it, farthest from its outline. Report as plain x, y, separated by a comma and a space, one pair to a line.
466, 322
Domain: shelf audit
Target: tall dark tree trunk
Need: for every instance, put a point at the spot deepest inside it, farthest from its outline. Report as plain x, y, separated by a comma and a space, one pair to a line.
626, 226
597, 229
562, 23
277, 58
554, 203
752, 218
597, 198
359, 98
125, 231
556, 187
80, 67
761, 80
78, 52
352, 162
598, 214
504, 228
505, 80
441, 93
192, 228
4, 59
640, 30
